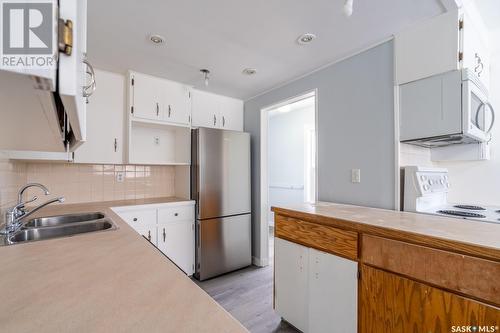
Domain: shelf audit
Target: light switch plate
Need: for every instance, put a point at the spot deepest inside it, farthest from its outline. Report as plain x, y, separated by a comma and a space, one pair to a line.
356, 175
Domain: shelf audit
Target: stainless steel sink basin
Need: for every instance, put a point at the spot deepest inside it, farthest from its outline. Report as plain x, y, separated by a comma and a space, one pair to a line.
42, 233
51, 221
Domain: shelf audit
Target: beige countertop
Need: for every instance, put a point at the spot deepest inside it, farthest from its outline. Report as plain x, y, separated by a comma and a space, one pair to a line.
458, 235
111, 281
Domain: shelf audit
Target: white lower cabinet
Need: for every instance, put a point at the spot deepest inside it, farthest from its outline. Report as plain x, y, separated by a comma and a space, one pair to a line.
290, 276
169, 227
176, 240
315, 291
150, 233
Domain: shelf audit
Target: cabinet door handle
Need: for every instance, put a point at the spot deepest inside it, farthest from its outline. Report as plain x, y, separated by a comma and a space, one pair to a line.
164, 235
135, 219
149, 235
215, 120
176, 214
480, 66
157, 109
116, 144
223, 121
169, 111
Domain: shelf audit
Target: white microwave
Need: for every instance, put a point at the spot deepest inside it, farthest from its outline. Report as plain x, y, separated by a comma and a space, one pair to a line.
445, 109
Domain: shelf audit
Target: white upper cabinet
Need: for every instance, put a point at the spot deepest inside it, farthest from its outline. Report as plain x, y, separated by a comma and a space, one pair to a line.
105, 122
157, 99
443, 43
216, 111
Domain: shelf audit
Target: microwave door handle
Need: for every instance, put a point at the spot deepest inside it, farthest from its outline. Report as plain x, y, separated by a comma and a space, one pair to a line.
492, 111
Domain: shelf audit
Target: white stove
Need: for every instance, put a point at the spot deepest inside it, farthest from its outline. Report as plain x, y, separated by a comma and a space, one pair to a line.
426, 191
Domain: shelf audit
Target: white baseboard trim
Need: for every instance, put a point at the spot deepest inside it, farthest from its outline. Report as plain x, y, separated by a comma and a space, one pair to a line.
261, 262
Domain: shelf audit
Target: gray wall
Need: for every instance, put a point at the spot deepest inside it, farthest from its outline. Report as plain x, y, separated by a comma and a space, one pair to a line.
355, 130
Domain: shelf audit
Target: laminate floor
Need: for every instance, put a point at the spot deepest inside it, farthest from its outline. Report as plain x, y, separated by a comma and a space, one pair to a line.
248, 295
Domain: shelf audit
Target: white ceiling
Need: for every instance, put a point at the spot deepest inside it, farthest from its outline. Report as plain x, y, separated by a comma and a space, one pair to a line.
227, 36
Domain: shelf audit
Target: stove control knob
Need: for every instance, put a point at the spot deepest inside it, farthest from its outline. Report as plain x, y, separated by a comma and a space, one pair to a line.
442, 182
448, 185
423, 178
426, 187
431, 182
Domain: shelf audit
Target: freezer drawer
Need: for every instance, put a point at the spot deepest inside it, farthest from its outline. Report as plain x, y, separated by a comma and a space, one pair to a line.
223, 245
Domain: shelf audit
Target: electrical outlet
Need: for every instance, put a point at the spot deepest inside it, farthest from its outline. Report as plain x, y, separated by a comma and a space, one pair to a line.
120, 177
356, 175
157, 140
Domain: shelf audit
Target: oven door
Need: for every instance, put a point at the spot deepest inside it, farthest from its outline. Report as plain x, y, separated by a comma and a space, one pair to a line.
478, 114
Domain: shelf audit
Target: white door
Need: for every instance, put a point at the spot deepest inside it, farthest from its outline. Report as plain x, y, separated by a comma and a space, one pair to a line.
146, 97
148, 232
175, 102
105, 122
333, 293
176, 241
204, 109
231, 114
290, 287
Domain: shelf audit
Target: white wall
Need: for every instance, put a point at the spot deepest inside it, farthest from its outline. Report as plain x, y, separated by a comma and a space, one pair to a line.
286, 156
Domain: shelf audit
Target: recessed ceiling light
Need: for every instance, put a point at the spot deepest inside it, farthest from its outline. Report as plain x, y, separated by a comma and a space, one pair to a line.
306, 39
157, 39
249, 71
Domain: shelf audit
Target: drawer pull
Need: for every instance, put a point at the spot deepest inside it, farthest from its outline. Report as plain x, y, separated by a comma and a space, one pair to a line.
164, 235
176, 214
149, 235
135, 219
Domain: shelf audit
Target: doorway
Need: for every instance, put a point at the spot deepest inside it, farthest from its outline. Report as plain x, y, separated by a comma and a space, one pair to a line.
288, 161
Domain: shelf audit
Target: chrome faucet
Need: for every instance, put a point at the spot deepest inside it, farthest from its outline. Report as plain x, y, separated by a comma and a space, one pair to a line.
15, 215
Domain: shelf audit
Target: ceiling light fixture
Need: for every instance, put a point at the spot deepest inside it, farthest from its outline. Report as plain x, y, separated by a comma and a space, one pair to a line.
249, 71
157, 39
306, 39
206, 75
348, 7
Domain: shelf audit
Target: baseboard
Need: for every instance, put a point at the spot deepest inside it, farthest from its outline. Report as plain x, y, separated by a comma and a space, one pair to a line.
260, 262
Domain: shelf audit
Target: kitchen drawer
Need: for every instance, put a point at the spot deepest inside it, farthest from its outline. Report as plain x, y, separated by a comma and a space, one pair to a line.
318, 236
138, 218
176, 213
460, 273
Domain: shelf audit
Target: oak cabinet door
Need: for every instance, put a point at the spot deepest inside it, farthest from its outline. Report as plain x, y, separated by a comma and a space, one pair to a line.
390, 303
291, 287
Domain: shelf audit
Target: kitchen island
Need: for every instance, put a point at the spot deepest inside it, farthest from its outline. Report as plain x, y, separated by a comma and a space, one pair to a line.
108, 281
376, 270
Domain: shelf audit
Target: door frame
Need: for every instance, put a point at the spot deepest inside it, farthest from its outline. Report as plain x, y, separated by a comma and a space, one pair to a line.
264, 169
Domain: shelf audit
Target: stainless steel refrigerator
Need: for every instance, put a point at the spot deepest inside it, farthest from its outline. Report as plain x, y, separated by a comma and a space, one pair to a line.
220, 184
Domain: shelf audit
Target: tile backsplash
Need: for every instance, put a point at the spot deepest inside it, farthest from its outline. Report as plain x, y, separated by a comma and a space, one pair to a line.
86, 182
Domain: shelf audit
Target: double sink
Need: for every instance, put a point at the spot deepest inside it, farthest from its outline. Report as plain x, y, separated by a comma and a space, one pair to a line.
61, 226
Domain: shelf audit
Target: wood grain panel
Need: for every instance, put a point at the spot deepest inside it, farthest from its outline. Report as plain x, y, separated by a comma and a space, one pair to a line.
464, 274
444, 233
393, 304
324, 238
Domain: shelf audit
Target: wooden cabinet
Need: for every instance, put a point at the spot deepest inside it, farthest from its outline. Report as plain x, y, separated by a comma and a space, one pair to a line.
157, 99
105, 122
390, 303
169, 227
440, 44
216, 111
291, 269
314, 290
